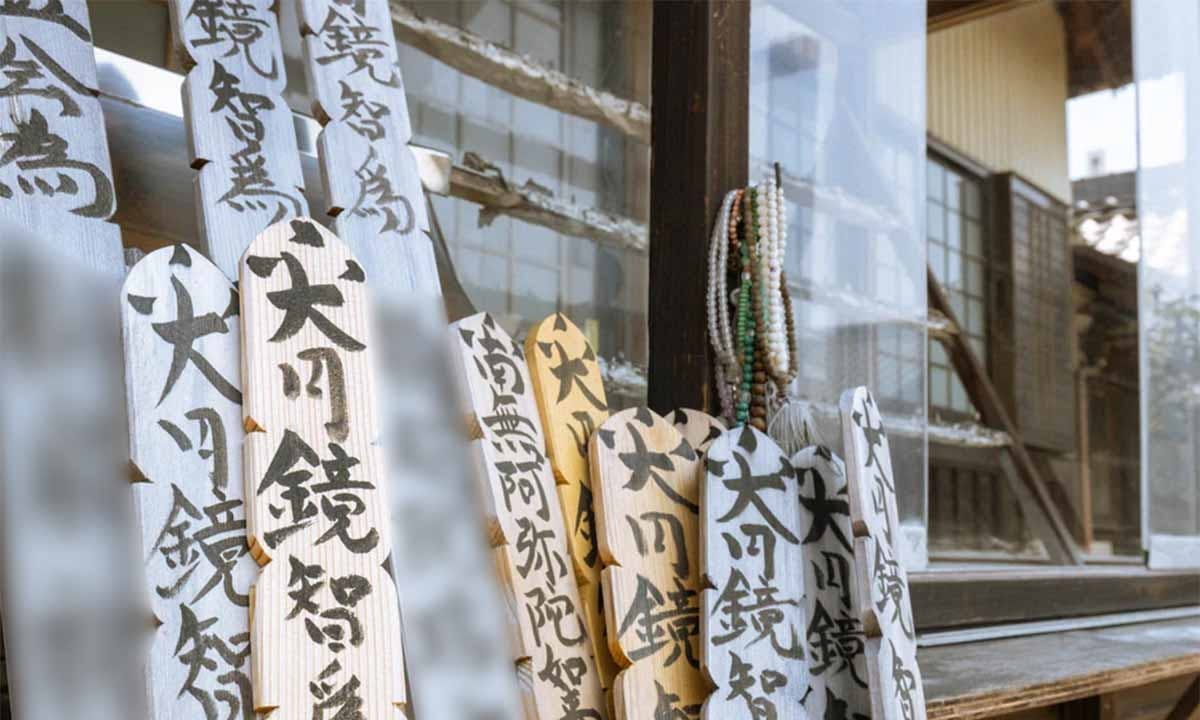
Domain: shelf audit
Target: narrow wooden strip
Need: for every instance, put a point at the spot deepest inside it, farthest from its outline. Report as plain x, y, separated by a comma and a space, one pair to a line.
554, 651
885, 605
647, 480
182, 376
753, 622
326, 625
570, 394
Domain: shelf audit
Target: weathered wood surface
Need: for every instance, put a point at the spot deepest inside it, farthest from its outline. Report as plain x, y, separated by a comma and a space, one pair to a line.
55, 170
455, 641
753, 622
885, 606
326, 625
647, 480
241, 136
554, 652
182, 377
372, 185
570, 394
836, 646
697, 427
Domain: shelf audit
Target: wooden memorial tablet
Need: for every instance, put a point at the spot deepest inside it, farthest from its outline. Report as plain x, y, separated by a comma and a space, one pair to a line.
697, 427
325, 617
884, 601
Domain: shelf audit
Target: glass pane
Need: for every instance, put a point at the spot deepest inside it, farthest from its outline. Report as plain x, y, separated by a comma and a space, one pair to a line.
937, 261
953, 231
970, 193
974, 237
954, 183
933, 180
935, 223
1167, 63
858, 108
939, 386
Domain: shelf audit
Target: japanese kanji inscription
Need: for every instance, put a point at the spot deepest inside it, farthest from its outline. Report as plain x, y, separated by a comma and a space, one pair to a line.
55, 170
753, 612
837, 673
553, 648
372, 185
697, 427
647, 482
241, 135
183, 366
885, 605
326, 625
571, 398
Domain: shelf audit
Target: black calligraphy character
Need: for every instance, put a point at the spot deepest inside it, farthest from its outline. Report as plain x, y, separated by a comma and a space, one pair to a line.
299, 303
292, 449
51, 11
673, 619
835, 575
571, 373
346, 590
748, 486
741, 685
321, 358
667, 706
581, 430
835, 643
364, 116
746, 607
342, 503
377, 196
182, 334
663, 524
537, 554
839, 709
825, 510
344, 704
566, 676
192, 651
905, 683
585, 525
645, 465
304, 576
22, 75
32, 146
211, 424
891, 587
873, 434
520, 478
558, 610
355, 40
232, 21
221, 543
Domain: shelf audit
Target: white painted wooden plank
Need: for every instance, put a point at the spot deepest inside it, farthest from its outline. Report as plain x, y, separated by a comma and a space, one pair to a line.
241, 134
326, 625
753, 609
372, 184
697, 427
183, 372
553, 649
458, 651
55, 169
885, 604
836, 645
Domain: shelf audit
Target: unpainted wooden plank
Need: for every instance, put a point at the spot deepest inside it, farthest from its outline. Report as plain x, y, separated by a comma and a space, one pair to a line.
834, 639
456, 645
697, 427
553, 650
647, 480
570, 394
326, 624
372, 184
56, 173
753, 611
885, 605
182, 378
241, 135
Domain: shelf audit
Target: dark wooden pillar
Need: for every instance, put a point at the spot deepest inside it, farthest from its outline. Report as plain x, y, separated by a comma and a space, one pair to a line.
700, 97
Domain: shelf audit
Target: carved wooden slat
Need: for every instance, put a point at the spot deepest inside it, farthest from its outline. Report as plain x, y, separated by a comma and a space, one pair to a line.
241, 135
457, 650
183, 368
372, 185
697, 427
570, 395
55, 169
884, 602
753, 611
837, 672
647, 481
553, 649
326, 625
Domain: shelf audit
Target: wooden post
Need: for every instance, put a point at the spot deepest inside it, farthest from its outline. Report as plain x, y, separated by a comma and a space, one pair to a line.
700, 134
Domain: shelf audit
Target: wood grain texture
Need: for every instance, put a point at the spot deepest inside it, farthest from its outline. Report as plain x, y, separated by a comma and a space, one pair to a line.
836, 646
885, 605
554, 652
647, 481
753, 610
326, 625
570, 394
241, 135
56, 172
458, 653
372, 185
697, 427
182, 376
